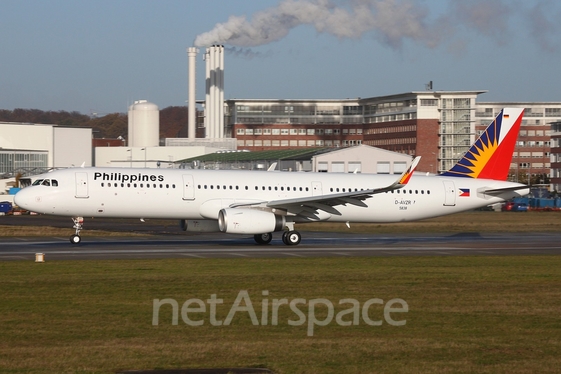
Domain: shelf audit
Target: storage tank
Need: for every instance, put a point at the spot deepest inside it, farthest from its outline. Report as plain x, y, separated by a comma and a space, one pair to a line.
144, 124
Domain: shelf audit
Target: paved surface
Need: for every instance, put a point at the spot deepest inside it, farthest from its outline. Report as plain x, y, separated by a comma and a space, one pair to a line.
170, 242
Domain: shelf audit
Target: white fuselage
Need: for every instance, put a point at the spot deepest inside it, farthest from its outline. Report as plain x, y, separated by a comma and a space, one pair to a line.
201, 194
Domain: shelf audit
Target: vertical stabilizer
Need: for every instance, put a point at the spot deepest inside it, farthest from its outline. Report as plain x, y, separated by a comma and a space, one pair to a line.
490, 156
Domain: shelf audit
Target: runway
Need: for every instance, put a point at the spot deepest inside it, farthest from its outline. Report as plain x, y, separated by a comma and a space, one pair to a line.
314, 244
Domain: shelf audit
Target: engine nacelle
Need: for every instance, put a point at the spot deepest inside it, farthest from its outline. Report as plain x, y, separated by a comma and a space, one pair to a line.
249, 221
199, 225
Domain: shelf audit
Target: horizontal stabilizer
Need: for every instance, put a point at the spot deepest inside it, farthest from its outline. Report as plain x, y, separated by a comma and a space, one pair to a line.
498, 191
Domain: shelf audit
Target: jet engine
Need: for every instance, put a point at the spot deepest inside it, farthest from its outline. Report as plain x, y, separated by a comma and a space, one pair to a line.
249, 221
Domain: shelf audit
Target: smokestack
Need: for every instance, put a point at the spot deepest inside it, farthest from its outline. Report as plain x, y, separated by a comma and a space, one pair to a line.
214, 99
192, 57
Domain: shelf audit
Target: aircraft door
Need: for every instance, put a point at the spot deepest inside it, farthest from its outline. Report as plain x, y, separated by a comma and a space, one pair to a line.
449, 193
82, 185
316, 189
188, 187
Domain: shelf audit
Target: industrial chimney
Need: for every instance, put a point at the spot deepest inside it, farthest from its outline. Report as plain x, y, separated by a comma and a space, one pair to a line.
192, 57
214, 100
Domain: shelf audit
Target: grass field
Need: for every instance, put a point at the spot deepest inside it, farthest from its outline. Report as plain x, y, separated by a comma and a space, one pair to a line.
466, 314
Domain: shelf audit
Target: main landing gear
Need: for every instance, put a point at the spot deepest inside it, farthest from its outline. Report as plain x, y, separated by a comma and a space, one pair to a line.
75, 238
289, 236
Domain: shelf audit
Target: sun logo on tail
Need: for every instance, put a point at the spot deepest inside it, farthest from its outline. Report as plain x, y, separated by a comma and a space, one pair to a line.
480, 153
489, 157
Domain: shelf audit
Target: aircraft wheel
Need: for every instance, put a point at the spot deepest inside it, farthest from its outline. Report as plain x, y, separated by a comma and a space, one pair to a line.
292, 238
263, 238
75, 239
284, 235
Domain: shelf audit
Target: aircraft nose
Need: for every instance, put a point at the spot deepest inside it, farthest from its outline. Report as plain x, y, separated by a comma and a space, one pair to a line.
26, 198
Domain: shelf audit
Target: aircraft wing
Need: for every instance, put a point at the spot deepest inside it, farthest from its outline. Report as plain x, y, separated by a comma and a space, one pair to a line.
309, 206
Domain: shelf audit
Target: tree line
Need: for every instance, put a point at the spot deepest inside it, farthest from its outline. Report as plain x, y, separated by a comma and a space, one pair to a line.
173, 121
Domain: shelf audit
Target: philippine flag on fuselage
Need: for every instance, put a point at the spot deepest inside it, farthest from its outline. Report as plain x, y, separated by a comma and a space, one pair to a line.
464, 192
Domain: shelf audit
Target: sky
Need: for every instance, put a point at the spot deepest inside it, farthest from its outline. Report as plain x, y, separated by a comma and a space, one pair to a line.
98, 57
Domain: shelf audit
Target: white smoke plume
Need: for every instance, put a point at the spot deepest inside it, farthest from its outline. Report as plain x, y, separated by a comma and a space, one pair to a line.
392, 21
395, 20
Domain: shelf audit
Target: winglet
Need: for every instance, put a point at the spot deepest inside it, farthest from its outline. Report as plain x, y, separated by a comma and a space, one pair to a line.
404, 179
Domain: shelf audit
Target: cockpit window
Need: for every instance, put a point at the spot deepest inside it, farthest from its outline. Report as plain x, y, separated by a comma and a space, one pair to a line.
46, 182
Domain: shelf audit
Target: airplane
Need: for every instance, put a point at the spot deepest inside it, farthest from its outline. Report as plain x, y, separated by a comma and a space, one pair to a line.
260, 203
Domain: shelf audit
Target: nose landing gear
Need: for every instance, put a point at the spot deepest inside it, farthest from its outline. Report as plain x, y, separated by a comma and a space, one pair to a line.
75, 238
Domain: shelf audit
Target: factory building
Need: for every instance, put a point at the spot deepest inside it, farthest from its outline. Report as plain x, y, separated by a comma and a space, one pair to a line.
358, 159
555, 156
32, 148
437, 125
143, 150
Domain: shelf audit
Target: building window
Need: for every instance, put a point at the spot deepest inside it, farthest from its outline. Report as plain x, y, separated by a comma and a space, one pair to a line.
355, 166
429, 102
383, 167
